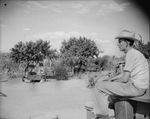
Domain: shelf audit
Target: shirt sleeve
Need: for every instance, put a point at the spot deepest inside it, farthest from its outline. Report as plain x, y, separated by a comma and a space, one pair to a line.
129, 61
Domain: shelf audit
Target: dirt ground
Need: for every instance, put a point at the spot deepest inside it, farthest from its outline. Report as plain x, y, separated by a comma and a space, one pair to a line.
48, 100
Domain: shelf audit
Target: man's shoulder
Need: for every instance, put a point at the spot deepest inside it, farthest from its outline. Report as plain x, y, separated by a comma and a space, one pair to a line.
134, 52
131, 53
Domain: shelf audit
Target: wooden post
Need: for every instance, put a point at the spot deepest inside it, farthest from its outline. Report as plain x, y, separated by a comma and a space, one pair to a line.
124, 110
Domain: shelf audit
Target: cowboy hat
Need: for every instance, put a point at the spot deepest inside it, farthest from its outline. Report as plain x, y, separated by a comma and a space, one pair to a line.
125, 34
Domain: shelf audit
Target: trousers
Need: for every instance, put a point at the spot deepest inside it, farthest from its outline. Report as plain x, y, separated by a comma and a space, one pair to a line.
105, 88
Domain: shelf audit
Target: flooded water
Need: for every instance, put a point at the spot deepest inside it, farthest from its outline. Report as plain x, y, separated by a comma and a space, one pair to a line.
44, 100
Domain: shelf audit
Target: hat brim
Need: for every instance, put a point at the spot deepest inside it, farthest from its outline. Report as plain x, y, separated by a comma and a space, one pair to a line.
130, 38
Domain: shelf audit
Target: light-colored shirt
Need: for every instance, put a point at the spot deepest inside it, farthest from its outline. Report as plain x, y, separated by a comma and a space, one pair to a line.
137, 65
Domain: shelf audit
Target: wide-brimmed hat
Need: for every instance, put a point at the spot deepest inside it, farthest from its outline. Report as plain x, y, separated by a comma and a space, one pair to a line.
127, 35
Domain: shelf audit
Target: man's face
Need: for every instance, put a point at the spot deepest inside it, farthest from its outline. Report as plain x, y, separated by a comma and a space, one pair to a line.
122, 44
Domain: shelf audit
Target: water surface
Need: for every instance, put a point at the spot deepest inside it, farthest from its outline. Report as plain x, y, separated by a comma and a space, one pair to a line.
44, 100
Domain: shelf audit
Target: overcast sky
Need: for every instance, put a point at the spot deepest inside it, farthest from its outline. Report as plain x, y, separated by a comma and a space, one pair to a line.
54, 21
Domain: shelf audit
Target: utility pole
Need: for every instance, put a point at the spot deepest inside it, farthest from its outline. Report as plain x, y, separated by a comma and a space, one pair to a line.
25, 30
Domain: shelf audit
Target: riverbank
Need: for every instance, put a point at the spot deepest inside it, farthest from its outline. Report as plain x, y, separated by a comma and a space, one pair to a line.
44, 100
62, 99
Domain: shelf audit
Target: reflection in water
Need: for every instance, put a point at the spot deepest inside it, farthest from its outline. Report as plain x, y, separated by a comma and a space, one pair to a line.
44, 100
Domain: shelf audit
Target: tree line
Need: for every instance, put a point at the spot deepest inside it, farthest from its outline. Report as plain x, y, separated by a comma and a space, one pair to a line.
76, 54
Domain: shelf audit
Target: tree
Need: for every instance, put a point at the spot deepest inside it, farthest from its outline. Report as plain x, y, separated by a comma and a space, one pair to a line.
4, 57
31, 52
147, 46
143, 47
76, 51
103, 64
7, 66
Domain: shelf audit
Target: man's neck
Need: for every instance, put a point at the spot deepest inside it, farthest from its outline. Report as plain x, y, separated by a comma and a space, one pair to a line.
127, 50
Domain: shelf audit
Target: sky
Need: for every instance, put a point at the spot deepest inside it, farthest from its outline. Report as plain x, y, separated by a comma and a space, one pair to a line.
58, 20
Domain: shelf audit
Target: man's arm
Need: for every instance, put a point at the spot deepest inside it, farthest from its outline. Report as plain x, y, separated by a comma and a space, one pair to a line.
116, 77
124, 78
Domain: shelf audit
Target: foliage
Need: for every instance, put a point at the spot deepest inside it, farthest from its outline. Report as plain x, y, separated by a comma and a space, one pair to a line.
32, 52
76, 51
60, 70
7, 66
107, 62
103, 62
143, 48
147, 46
52, 54
4, 57
92, 64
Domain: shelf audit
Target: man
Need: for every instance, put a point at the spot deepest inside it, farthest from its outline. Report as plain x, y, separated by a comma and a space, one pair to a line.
131, 83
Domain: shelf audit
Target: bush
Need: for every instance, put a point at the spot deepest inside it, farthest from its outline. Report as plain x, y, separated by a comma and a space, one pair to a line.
60, 70
8, 67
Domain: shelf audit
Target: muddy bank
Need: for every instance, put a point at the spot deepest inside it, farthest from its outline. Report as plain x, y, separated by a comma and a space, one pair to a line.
44, 100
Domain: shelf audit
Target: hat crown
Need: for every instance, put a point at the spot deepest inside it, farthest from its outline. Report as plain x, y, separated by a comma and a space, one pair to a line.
126, 33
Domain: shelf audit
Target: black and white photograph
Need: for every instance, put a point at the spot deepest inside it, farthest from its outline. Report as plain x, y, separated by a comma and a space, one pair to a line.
74, 59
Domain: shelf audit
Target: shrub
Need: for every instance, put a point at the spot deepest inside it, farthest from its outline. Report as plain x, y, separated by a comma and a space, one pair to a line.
8, 67
60, 70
